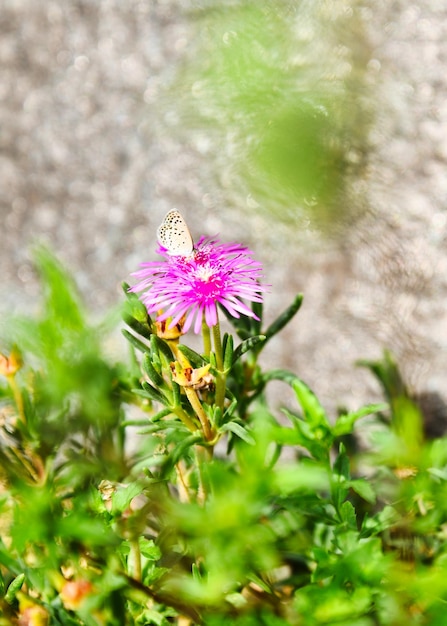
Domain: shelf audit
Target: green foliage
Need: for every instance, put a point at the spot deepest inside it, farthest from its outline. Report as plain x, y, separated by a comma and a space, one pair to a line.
120, 505
281, 87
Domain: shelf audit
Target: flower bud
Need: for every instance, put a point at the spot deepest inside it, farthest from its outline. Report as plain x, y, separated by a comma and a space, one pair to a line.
74, 592
10, 365
30, 613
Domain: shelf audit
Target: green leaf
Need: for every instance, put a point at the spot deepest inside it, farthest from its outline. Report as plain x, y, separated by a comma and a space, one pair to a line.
317, 441
313, 411
341, 465
196, 573
288, 436
364, 489
193, 357
180, 450
176, 394
162, 346
331, 605
304, 477
228, 351
160, 415
135, 307
340, 477
62, 302
149, 550
137, 343
279, 374
229, 411
137, 326
239, 431
345, 423
406, 416
381, 522
156, 378
146, 422
388, 374
258, 310
164, 425
148, 391
14, 587
135, 315
124, 495
247, 345
91, 531
348, 514
216, 415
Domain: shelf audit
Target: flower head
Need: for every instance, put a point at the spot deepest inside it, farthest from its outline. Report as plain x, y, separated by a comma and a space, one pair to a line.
191, 286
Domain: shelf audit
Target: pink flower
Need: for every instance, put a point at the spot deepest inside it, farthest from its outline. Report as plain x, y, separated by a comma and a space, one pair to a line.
192, 286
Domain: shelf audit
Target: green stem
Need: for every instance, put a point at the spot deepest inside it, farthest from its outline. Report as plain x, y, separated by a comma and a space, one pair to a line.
26, 464
183, 482
194, 402
135, 556
218, 346
17, 397
203, 455
183, 416
198, 409
221, 377
206, 339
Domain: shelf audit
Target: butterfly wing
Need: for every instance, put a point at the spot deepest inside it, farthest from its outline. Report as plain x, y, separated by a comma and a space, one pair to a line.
174, 235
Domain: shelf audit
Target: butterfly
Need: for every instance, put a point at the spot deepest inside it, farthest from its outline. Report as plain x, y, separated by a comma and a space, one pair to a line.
174, 235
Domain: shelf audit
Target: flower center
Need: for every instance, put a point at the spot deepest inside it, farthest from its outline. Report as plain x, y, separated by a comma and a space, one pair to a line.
204, 273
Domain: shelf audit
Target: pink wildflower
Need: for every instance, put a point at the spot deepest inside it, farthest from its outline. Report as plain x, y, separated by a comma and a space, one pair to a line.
192, 286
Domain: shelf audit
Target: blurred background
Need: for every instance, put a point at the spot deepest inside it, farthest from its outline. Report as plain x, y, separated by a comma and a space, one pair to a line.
313, 131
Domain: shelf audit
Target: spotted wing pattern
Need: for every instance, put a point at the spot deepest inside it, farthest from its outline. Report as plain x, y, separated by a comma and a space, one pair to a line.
174, 235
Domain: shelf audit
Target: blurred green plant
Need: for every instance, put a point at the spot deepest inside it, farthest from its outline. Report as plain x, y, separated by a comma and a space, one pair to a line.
117, 507
280, 89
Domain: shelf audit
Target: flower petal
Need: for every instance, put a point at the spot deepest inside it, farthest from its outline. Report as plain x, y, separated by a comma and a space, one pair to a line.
216, 273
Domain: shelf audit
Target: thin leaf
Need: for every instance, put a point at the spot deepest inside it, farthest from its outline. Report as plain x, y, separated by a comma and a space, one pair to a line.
14, 588
345, 423
139, 345
193, 357
181, 449
312, 408
151, 392
239, 431
151, 372
247, 345
138, 327
176, 425
229, 411
228, 351
134, 305
62, 302
256, 324
177, 399
160, 415
149, 420
162, 346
